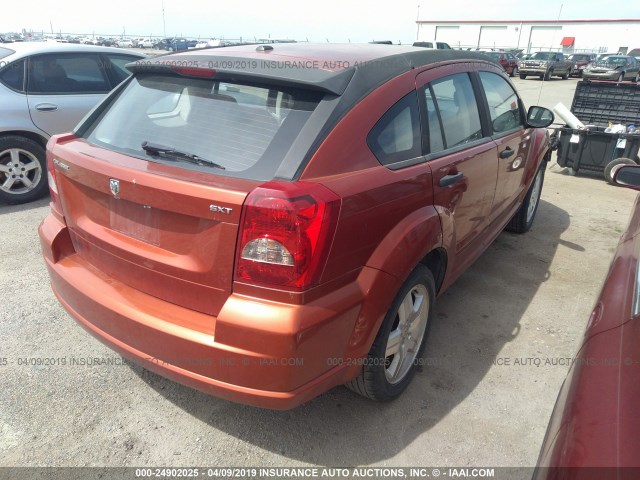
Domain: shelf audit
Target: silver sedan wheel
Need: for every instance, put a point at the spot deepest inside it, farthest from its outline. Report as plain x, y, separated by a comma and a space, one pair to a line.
535, 196
20, 171
406, 334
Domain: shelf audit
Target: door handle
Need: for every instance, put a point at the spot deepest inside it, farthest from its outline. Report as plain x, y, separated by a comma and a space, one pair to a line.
450, 179
46, 107
506, 153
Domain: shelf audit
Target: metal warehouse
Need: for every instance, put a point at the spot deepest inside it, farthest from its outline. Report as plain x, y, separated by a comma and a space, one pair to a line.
567, 36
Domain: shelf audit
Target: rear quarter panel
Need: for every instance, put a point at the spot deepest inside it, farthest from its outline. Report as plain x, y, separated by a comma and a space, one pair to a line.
381, 208
387, 220
15, 112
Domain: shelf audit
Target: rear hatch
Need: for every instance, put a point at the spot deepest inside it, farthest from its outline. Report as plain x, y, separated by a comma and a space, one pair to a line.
152, 188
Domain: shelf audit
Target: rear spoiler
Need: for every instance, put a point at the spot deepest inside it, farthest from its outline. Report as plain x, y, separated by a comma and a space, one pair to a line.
300, 73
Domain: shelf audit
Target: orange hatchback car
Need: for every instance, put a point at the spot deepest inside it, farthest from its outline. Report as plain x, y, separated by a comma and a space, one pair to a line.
264, 223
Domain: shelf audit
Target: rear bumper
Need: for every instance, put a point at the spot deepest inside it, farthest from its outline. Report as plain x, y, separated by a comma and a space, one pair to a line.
266, 354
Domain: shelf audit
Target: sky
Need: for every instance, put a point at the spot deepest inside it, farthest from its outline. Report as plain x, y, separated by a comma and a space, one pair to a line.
317, 21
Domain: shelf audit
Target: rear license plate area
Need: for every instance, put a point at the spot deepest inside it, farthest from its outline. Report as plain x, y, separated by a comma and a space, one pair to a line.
134, 220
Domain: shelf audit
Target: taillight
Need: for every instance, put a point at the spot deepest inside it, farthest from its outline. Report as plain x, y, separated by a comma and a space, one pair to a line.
51, 172
286, 233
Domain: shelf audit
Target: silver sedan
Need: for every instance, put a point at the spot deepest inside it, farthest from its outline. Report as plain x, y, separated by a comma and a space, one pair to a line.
613, 67
45, 89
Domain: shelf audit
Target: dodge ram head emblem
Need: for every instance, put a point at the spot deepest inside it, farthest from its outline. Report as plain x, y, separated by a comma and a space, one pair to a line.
114, 185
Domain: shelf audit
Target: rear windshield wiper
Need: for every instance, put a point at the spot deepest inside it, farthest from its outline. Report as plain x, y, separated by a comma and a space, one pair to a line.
155, 149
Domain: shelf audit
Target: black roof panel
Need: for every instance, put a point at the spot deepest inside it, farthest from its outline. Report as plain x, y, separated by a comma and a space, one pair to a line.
325, 67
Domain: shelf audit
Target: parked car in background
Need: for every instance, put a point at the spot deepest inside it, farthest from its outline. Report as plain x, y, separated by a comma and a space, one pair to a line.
635, 52
436, 45
580, 61
146, 43
613, 67
124, 43
45, 89
506, 60
163, 44
106, 42
522, 58
595, 422
546, 65
214, 42
178, 44
210, 216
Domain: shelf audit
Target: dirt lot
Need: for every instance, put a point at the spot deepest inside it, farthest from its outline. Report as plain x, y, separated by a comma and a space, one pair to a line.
526, 302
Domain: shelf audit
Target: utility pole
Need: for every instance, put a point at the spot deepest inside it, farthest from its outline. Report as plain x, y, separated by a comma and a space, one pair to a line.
164, 24
417, 24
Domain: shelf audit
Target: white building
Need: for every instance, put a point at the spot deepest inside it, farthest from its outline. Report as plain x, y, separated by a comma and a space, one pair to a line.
566, 36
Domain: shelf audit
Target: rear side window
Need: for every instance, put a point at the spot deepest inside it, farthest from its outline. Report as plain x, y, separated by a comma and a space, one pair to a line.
67, 74
458, 109
504, 108
396, 136
247, 129
5, 52
13, 75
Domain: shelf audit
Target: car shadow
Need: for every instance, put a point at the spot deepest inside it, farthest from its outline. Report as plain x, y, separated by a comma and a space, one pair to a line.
6, 208
341, 428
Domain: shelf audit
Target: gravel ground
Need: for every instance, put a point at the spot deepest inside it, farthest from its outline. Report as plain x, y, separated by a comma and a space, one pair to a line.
525, 302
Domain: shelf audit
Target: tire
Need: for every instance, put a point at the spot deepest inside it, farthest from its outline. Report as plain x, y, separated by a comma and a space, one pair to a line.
618, 161
386, 375
547, 76
23, 170
566, 76
523, 76
523, 219
637, 79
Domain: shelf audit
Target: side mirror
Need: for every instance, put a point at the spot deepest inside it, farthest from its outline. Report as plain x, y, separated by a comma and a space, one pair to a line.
626, 176
539, 117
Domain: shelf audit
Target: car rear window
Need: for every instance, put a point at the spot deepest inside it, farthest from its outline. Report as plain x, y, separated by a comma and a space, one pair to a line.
247, 129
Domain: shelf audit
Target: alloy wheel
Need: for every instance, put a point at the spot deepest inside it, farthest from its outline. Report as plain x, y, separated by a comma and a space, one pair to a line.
20, 171
406, 334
